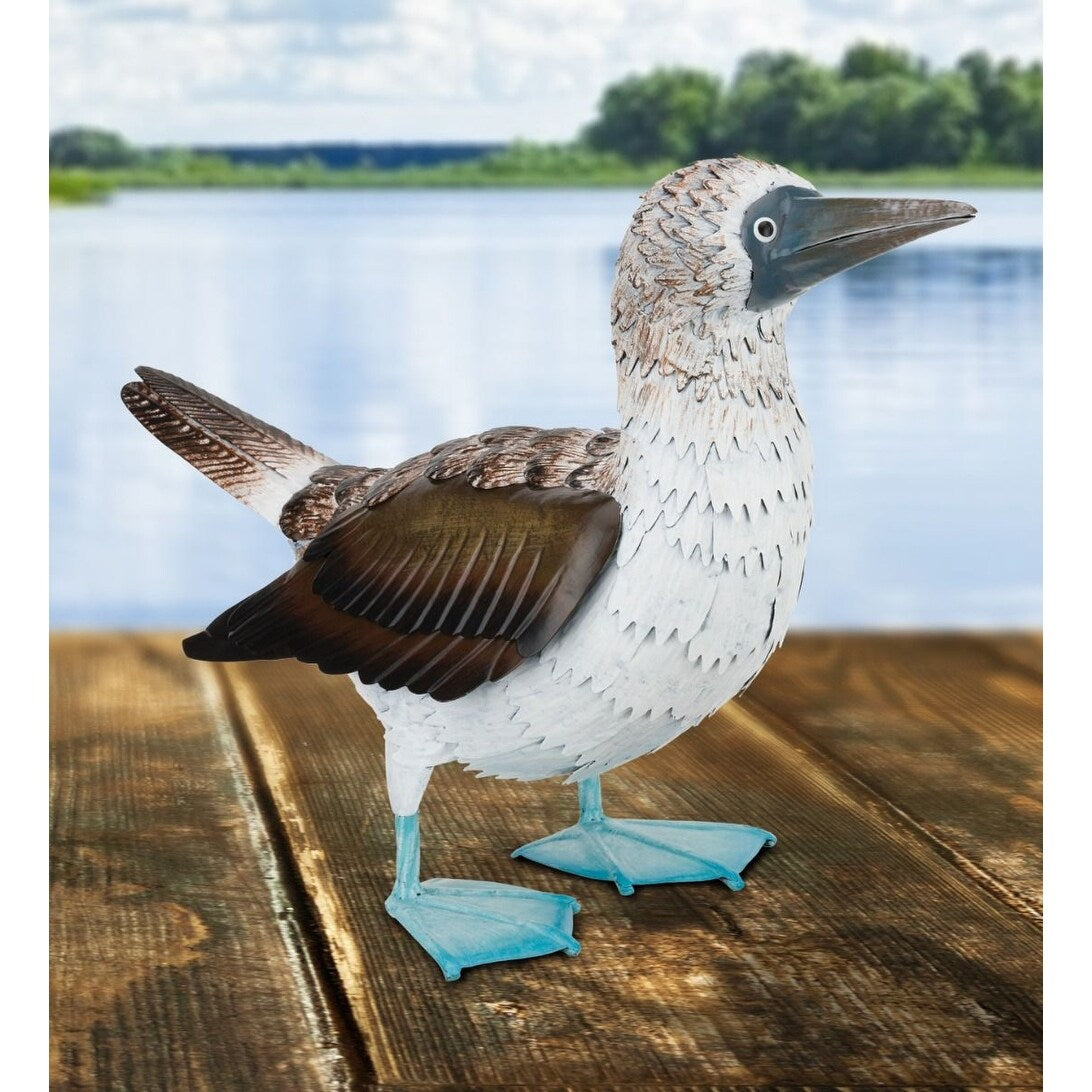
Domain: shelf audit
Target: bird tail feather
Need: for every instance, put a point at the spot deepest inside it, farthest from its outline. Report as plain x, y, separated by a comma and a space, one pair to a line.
256, 463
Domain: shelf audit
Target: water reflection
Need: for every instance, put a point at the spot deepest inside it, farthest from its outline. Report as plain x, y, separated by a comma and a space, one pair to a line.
373, 325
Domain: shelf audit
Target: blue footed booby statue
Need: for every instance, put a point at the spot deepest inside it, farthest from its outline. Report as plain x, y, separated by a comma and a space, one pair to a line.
553, 603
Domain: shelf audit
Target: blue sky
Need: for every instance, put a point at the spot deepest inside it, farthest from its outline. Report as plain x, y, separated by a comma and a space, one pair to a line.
281, 70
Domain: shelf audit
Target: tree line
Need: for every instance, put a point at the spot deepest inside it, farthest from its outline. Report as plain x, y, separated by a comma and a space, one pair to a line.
100, 148
880, 108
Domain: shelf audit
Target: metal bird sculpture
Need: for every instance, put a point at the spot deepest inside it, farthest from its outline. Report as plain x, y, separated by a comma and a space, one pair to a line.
554, 603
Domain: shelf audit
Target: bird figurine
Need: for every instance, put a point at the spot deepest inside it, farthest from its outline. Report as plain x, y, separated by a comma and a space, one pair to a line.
552, 603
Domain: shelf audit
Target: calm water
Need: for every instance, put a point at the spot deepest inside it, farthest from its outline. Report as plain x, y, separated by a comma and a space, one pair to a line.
373, 325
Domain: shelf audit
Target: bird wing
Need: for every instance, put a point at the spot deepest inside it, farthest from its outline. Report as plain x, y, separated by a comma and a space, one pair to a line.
432, 583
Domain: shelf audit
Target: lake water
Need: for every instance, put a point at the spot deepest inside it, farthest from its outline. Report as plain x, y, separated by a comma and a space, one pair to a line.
373, 324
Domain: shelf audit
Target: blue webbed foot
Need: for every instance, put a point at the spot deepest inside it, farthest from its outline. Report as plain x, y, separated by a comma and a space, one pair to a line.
631, 852
464, 923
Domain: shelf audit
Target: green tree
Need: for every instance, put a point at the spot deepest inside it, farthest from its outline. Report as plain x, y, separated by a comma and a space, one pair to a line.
864, 125
95, 148
1021, 136
1010, 108
767, 107
668, 114
172, 160
979, 70
868, 61
941, 123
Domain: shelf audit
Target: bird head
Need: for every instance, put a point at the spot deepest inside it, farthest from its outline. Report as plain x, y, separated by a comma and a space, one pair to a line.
718, 252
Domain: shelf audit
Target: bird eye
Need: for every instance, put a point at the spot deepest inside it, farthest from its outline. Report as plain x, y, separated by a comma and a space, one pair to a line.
765, 229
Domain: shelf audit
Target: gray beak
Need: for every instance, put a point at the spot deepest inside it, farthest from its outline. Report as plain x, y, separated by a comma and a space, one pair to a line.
820, 236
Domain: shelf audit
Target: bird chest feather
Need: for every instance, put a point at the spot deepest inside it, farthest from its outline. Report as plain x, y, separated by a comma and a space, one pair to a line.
707, 572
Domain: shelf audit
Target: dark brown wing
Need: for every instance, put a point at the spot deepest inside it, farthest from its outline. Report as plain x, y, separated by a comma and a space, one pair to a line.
287, 620
445, 557
440, 588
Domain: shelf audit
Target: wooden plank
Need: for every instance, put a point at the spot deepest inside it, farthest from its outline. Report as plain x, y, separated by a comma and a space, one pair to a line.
1023, 649
948, 728
175, 959
857, 954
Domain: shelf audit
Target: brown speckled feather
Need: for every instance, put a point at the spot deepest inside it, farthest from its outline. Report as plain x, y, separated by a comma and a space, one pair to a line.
439, 588
518, 455
311, 508
253, 461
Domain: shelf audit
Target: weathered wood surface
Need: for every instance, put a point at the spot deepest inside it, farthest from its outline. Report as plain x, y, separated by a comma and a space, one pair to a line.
888, 940
176, 962
946, 730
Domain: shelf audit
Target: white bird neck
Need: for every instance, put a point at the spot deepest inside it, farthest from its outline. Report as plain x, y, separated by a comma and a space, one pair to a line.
715, 382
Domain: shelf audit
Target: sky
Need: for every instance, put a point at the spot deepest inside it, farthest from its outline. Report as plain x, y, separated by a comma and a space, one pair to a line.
192, 71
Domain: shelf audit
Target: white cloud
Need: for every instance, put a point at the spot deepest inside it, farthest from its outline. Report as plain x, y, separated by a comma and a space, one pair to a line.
265, 70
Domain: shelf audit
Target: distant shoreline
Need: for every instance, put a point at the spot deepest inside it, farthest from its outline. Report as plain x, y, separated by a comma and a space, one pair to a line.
81, 186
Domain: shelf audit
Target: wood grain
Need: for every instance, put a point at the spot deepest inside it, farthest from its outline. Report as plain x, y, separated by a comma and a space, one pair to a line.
176, 961
1022, 649
858, 954
948, 729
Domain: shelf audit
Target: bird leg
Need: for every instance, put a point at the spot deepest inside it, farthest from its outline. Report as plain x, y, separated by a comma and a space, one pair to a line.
463, 923
629, 852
